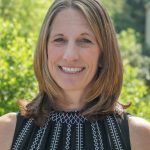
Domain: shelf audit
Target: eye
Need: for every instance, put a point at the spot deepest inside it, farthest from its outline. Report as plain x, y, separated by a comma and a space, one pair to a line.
59, 40
86, 41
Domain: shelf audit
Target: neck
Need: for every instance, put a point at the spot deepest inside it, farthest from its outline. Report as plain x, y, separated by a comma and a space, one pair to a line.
72, 101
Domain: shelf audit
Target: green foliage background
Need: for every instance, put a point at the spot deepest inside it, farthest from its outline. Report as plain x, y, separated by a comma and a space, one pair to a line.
20, 23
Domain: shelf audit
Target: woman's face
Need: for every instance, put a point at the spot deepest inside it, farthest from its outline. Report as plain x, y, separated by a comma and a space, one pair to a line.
73, 51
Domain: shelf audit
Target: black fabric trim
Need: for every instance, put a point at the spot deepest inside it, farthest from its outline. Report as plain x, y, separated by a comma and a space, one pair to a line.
122, 121
19, 123
16, 128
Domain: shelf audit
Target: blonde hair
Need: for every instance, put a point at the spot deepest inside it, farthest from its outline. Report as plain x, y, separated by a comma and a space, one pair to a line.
105, 91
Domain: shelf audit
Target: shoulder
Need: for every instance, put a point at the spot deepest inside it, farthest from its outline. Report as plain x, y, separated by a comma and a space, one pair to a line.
8, 117
7, 128
139, 133
8, 120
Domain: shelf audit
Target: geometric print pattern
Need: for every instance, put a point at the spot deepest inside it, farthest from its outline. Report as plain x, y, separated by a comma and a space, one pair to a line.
39, 137
68, 118
56, 136
74, 125
68, 136
22, 135
97, 137
114, 134
79, 137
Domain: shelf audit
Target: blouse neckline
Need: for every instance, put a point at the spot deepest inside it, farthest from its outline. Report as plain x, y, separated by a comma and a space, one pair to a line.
69, 117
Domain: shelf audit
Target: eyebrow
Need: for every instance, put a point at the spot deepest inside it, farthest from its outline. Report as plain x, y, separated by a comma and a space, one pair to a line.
85, 34
82, 34
58, 35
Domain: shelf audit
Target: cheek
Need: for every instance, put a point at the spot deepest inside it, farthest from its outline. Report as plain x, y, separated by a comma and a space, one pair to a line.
53, 55
92, 58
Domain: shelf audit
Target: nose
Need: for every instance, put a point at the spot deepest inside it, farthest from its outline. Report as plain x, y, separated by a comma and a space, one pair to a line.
71, 52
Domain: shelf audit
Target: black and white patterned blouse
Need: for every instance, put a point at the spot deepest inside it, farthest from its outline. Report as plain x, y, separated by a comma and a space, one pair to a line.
72, 131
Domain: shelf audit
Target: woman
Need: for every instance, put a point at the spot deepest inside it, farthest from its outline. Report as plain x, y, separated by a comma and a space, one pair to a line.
79, 71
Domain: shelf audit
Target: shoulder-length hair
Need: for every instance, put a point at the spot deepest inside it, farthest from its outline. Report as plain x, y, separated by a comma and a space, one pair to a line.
104, 93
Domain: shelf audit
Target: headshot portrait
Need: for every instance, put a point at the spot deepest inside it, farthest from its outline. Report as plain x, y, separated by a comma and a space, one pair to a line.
79, 70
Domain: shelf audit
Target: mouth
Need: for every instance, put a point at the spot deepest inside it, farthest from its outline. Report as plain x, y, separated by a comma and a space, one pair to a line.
71, 70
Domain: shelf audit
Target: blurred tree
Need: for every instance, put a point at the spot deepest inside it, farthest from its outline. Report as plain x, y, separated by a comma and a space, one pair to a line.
128, 14
29, 13
135, 72
135, 91
112, 5
16, 72
131, 51
132, 16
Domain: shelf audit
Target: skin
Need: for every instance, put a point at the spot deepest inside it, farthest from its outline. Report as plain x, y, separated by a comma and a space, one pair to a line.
74, 52
7, 129
139, 133
72, 44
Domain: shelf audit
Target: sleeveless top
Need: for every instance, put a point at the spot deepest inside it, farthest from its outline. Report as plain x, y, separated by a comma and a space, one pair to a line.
72, 131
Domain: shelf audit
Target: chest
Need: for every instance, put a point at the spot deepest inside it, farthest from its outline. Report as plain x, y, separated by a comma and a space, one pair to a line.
73, 133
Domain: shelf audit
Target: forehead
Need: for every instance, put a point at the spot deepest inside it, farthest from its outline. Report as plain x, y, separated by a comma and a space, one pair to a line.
70, 19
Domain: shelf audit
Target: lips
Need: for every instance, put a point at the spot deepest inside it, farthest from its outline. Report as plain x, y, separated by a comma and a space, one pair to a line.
71, 70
